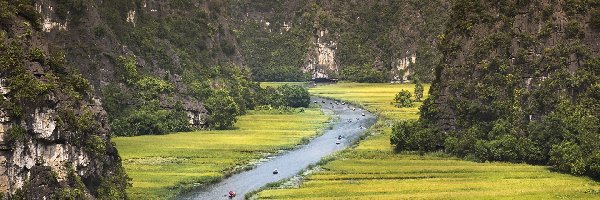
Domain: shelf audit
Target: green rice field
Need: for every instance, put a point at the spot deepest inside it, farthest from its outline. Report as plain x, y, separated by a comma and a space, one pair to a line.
277, 84
162, 166
373, 171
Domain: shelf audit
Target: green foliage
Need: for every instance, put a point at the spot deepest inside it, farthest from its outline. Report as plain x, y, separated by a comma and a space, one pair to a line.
16, 133
96, 145
223, 110
363, 74
115, 101
491, 112
24, 86
76, 187
595, 18
365, 33
150, 87
72, 10
113, 186
27, 10
402, 99
295, 96
574, 29
413, 136
200, 90
418, 91
150, 120
273, 56
507, 148
568, 157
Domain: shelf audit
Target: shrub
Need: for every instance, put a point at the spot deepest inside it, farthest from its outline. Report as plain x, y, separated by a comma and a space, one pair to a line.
96, 145
568, 157
418, 91
594, 165
595, 18
413, 136
16, 133
403, 100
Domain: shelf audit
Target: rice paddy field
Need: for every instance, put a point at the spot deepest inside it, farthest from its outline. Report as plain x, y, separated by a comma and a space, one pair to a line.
277, 84
162, 166
377, 98
372, 170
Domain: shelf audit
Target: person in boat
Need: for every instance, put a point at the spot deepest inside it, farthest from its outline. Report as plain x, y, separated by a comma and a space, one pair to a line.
231, 194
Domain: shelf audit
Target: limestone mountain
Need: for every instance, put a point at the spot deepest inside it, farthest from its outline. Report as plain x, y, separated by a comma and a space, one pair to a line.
519, 82
54, 136
365, 41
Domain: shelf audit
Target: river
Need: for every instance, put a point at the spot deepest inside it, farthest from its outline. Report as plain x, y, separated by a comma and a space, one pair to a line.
350, 125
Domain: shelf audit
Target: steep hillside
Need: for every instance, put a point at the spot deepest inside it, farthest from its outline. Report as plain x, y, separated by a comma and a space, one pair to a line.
54, 137
520, 82
153, 62
366, 41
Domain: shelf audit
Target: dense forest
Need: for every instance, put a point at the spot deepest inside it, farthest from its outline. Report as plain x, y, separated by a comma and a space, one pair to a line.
519, 83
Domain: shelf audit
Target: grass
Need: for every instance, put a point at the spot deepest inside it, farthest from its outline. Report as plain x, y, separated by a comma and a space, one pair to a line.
162, 166
373, 171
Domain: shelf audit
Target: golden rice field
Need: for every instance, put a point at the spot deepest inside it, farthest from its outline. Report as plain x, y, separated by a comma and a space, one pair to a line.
377, 97
373, 171
162, 166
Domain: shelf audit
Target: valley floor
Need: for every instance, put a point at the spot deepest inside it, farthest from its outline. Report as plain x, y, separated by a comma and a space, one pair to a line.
162, 166
373, 171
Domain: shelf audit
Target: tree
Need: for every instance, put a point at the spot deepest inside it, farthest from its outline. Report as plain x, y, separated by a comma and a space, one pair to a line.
295, 95
223, 110
418, 91
403, 99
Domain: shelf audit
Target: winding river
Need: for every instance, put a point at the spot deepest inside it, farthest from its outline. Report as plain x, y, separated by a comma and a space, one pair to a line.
350, 125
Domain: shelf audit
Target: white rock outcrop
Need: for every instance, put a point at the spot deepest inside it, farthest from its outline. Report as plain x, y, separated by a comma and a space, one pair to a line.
401, 69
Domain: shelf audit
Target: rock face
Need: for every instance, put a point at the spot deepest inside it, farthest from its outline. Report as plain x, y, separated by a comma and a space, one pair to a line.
94, 34
54, 138
401, 69
320, 61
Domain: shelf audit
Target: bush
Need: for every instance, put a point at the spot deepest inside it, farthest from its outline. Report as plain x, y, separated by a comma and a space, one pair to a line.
96, 145
508, 148
403, 100
418, 91
568, 157
413, 136
16, 133
594, 165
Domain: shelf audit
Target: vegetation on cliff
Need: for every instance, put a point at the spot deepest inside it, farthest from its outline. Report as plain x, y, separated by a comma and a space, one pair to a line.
370, 37
48, 108
519, 83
